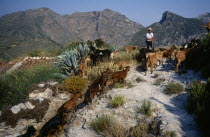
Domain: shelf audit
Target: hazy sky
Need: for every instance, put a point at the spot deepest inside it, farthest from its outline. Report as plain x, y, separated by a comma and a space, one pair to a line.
145, 12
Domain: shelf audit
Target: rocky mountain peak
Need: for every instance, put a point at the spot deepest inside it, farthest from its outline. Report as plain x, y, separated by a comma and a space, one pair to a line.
168, 16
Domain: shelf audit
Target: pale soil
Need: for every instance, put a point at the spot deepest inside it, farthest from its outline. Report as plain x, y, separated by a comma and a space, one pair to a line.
170, 109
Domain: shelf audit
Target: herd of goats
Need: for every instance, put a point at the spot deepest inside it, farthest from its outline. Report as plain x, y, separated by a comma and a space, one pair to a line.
149, 59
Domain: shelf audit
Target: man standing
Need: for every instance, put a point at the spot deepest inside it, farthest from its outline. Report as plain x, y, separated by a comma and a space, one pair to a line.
150, 39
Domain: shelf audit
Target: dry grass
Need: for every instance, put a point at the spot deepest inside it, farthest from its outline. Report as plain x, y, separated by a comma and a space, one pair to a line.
174, 88
159, 81
108, 126
117, 101
146, 108
96, 71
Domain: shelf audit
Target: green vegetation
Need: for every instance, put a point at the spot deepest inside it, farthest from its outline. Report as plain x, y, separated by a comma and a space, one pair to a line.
174, 88
14, 86
74, 84
126, 56
96, 71
198, 104
108, 126
118, 85
200, 57
69, 60
129, 85
169, 134
146, 108
140, 130
117, 101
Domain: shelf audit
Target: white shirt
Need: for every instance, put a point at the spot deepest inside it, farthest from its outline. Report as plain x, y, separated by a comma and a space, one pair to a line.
149, 35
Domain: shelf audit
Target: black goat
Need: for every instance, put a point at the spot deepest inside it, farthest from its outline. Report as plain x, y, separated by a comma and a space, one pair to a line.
99, 55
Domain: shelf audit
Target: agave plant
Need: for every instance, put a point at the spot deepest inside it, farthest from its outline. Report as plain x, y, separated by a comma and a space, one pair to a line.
69, 61
83, 51
114, 48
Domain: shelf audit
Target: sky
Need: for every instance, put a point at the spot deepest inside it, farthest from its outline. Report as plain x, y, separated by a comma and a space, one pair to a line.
144, 12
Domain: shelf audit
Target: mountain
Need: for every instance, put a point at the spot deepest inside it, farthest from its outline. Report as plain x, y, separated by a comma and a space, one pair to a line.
172, 29
44, 29
204, 17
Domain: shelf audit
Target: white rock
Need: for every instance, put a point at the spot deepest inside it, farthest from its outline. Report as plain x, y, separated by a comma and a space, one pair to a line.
46, 94
15, 109
22, 106
1, 129
41, 85
39, 98
33, 95
63, 96
52, 83
29, 105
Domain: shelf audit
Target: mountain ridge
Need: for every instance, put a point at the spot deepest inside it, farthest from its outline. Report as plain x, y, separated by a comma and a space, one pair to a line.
45, 29
172, 29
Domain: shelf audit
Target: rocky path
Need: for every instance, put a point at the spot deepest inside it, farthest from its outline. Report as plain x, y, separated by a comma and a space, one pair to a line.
171, 110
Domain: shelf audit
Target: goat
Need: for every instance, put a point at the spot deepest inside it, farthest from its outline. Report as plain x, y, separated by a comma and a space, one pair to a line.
121, 64
83, 67
180, 57
99, 55
56, 123
142, 56
120, 75
113, 54
152, 60
97, 86
129, 49
169, 54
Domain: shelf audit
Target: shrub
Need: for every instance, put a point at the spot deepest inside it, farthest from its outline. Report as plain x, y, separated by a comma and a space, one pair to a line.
174, 88
156, 75
205, 71
96, 71
118, 85
159, 81
146, 108
117, 101
129, 85
169, 134
14, 86
139, 130
108, 126
123, 56
140, 79
74, 84
198, 104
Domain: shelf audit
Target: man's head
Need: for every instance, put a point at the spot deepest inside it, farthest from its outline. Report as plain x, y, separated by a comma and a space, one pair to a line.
149, 29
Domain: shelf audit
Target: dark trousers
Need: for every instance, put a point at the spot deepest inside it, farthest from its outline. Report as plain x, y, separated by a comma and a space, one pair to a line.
150, 45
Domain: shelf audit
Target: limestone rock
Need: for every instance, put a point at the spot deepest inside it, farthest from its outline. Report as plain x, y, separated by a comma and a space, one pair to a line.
29, 105
15, 109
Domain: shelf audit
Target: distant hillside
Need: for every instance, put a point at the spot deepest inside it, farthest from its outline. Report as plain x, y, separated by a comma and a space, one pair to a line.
204, 17
172, 29
44, 29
